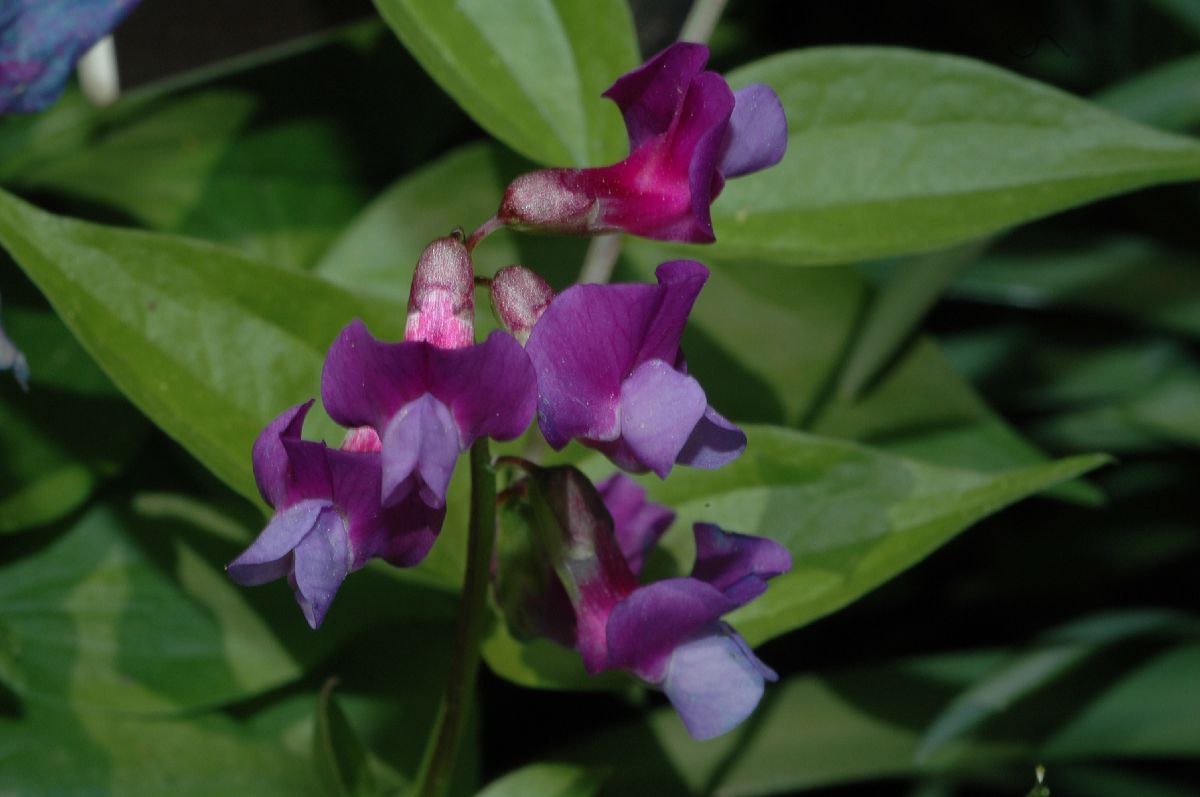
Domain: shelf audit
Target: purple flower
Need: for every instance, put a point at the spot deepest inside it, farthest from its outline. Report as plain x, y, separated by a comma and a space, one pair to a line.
426, 403
688, 133
40, 41
668, 633
328, 520
610, 373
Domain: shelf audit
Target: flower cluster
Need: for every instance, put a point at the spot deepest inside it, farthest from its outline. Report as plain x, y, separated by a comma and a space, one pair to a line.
599, 364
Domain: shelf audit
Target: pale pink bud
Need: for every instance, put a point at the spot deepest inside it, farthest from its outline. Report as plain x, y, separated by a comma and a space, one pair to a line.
441, 304
519, 297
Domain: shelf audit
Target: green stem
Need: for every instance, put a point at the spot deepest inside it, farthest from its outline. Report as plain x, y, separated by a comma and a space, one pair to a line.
438, 766
701, 20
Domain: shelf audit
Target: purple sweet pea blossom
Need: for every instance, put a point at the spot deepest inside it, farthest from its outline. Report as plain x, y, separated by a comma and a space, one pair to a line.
427, 404
668, 633
40, 41
328, 520
688, 133
611, 374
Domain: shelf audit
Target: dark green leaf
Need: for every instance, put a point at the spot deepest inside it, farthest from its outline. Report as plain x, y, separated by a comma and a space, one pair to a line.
51, 456
1052, 658
53, 753
897, 310
1167, 96
532, 73
1129, 277
339, 755
546, 780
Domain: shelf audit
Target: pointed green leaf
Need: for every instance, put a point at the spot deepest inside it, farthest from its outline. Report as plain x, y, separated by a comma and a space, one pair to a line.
530, 73
208, 343
893, 151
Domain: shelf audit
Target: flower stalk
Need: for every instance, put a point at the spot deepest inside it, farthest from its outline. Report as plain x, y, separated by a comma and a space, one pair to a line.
437, 767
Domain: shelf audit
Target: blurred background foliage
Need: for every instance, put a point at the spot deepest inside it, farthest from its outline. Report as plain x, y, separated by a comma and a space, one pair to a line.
1060, 631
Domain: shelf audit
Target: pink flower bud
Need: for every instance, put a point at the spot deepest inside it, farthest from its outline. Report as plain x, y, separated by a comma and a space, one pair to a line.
519, 297
441, 304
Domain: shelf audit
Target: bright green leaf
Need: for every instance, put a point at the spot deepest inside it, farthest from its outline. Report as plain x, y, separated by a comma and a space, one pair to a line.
208, 343
531, 73
851, 517
894, 151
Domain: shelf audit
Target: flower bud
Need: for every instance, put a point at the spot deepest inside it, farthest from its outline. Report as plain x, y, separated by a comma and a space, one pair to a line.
519, 297
441, 303
550, 200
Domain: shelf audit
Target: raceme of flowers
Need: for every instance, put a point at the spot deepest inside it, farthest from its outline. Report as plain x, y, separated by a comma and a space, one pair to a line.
600, 364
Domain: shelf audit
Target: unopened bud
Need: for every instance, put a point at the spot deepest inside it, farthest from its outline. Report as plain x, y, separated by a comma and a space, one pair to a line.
441, 304
519, 297
550, 200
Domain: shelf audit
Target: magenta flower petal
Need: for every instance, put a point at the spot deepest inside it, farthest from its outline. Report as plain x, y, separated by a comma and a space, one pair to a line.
714, 681
737, 564
649, 95
659, 409
581, 349
644, 628
421, 444
365, 381
490, 387
270, 459
638, 523
758, 132
679, 283
714, 442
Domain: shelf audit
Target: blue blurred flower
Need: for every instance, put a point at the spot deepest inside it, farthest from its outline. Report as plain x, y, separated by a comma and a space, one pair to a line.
40, 41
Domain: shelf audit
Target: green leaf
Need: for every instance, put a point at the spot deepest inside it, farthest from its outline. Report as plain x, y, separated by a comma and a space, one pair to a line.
893, 151
91, 620
55, 753
546, 780
1129, 277
1056, 654
209, 344
1167, 96
51, 457
124, 613
851, 517
898, 309
531, 73
339, 755
864, 724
